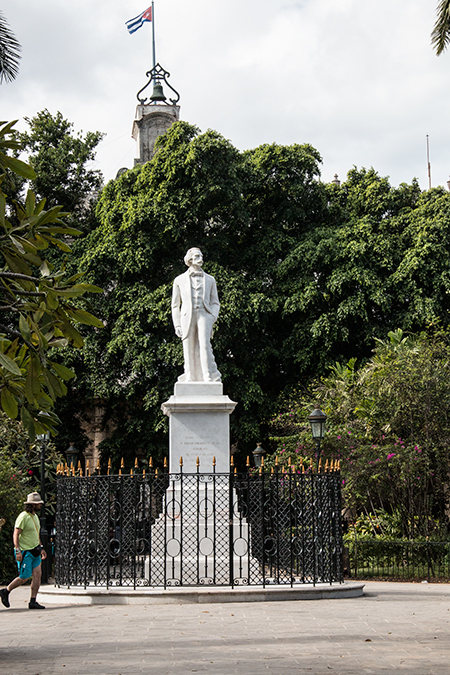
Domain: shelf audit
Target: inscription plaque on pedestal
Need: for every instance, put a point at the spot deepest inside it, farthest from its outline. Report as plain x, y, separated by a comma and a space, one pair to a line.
199, 427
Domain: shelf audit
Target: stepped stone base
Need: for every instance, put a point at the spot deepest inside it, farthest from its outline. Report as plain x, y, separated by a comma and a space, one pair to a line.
180, 596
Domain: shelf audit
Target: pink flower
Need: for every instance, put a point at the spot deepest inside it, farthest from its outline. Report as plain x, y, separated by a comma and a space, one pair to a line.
391, 455
30, 472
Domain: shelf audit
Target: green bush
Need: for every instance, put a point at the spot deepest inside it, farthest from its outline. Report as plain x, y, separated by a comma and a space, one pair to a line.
13, 491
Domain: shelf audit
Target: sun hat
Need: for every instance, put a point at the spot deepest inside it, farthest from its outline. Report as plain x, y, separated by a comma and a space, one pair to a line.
34, 498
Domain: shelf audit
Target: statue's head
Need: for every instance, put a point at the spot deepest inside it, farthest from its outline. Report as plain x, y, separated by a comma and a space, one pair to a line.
193, 252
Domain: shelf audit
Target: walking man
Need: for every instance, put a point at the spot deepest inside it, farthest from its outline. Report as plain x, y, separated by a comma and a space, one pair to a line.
28, 551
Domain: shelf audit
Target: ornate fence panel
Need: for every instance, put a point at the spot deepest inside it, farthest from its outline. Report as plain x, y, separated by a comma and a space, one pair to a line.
399, 560
161, 530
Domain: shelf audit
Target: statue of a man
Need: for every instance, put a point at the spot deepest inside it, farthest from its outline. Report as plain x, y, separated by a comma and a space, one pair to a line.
195, 308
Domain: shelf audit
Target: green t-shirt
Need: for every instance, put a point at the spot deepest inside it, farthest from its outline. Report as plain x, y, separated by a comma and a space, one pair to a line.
29, 537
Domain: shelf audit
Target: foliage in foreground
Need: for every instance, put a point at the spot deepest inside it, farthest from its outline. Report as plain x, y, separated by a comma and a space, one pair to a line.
39, 303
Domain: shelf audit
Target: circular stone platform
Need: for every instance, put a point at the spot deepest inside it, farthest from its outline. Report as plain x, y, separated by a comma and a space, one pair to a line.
196, 595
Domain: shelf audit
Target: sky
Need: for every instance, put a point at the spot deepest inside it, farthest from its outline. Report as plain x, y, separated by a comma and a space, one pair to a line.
356, 79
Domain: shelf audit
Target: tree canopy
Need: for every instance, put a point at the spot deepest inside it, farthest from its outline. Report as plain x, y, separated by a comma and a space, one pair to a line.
308, 273
60, 159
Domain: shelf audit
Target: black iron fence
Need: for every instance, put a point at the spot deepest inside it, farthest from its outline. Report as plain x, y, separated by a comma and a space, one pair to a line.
398, 560
199, 529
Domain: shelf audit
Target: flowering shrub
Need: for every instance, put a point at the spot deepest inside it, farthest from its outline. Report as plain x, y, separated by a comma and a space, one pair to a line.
389, 425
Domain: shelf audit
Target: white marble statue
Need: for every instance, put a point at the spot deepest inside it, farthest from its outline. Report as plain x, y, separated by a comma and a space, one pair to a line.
195, 308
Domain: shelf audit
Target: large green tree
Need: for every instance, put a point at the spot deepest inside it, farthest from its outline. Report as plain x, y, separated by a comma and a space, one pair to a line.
61, 158
308, 273
245, 211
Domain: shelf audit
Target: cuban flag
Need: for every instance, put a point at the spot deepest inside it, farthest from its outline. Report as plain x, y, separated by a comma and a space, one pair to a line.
138, 21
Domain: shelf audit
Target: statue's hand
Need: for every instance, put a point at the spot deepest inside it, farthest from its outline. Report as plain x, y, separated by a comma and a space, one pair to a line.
178, 331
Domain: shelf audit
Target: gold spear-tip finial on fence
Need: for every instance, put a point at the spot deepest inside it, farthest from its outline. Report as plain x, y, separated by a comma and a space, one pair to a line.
276, 460
88, 471
109, 466
248, 461
197, 462
98, 466
165, 463
136, 463
150, 463
214, 460
181, 461
319, 468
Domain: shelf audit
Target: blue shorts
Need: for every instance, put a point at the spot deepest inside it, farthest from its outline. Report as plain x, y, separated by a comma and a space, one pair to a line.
27, 564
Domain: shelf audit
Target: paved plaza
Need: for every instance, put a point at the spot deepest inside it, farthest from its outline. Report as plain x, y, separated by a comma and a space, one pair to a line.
393, 628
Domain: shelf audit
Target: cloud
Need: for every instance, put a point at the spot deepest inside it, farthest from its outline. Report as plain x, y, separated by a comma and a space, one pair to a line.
358, 80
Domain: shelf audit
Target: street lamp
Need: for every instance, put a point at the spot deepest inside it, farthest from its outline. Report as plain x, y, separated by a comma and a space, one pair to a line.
43, 440
258, 454
317, 420
71, 455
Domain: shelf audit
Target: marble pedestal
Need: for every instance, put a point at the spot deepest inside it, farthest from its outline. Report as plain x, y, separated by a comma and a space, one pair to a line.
199, 423
200, 538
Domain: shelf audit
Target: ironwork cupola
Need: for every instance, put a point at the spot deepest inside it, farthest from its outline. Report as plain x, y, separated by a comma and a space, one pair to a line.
154, 113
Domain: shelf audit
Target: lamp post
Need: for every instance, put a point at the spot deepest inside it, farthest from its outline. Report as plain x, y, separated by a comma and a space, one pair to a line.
71, 455
43, 440
258, 454
317, 420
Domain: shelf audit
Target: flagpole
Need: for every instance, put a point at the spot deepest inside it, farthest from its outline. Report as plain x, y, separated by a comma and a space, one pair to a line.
153, 32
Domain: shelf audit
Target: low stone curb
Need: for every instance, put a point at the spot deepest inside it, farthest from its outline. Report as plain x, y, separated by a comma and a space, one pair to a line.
197, 595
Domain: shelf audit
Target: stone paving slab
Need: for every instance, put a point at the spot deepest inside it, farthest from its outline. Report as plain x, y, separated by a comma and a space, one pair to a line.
392, 628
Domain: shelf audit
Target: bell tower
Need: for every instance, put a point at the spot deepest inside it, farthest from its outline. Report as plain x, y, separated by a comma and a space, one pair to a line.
155, 114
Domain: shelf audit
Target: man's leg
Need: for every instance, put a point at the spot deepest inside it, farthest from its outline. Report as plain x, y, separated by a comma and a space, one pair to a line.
15, 583
36, 581
24, 568
35, 585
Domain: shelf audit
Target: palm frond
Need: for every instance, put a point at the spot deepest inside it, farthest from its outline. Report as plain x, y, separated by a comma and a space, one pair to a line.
9, 52
440, 37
